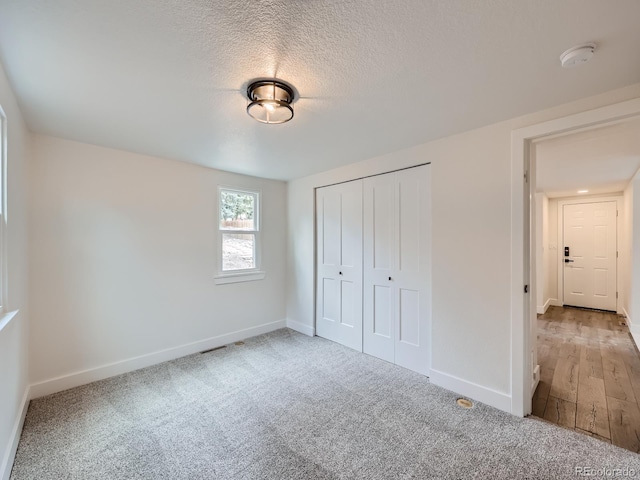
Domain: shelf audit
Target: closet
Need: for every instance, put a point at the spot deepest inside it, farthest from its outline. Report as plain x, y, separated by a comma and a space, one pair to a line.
373, 266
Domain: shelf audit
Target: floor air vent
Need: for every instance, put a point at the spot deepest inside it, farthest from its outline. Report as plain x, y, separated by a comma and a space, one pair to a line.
214, 349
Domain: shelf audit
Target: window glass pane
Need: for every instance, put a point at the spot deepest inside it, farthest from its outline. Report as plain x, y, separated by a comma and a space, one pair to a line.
238, 251
237, 211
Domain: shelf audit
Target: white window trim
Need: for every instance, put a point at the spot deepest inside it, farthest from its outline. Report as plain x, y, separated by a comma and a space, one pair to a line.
245, 275
3, 213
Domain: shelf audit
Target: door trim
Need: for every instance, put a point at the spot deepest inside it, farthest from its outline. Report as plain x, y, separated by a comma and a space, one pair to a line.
577, 201
521, 138
375, 175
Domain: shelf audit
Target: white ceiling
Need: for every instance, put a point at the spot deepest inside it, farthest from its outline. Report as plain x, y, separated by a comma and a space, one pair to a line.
167, 78
602, 160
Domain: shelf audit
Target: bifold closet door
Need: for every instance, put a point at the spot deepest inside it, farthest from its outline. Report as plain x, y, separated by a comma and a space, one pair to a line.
379, 266
339, 264
397, 267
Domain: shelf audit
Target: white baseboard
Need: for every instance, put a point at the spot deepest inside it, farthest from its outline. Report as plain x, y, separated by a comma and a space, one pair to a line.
301, 327
633, 329
491, 397
10, 455
550, 301
76, 379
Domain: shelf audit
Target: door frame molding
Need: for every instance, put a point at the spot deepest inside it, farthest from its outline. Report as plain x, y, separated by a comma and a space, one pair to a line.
577, 201
521, 343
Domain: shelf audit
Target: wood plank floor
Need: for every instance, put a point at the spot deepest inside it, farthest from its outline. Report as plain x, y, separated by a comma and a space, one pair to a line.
589, 375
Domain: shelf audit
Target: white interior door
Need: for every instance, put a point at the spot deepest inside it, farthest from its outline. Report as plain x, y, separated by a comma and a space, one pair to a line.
412, 277
590, 267
380, 259
397, 278
339, 269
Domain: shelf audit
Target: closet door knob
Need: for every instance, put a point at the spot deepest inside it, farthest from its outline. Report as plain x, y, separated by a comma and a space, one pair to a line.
389, 278
339, 273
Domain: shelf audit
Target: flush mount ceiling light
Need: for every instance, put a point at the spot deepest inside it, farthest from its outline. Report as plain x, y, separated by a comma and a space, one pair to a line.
270, 101
577, 55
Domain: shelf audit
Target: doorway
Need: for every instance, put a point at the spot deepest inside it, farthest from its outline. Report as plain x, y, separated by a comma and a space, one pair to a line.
523, 363
589, 367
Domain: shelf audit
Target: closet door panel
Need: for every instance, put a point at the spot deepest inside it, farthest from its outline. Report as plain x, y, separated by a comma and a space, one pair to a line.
329, 233
408, 190
409, 317
412, 276
379, 255
349, 310
351, 226
339, 266
382, 224
330, 300
382, 311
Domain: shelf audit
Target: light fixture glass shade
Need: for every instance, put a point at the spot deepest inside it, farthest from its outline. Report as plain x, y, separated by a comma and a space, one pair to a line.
270, 101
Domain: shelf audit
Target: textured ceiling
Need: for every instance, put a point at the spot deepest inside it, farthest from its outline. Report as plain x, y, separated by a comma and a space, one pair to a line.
602, 160
167, 77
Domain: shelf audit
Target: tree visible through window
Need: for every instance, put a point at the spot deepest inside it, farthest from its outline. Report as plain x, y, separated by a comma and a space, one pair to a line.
239, 231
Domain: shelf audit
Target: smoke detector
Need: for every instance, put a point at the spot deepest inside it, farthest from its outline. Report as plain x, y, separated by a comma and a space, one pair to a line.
577, 55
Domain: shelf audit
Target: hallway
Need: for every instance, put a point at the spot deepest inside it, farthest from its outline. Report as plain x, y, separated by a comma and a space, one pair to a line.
589, 375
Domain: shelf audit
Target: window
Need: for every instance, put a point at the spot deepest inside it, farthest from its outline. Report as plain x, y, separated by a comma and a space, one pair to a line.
3, 212
239, 238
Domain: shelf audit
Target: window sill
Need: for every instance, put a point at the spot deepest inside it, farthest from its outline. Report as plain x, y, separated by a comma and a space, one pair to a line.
5, 318
238, 277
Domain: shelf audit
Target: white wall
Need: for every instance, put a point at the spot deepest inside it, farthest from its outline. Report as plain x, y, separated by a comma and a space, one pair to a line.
14, 335
123, 251
471, 248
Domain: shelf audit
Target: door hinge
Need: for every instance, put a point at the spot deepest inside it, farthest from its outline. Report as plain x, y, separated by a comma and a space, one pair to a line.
616, 294
526, 289
526, 176
616, 254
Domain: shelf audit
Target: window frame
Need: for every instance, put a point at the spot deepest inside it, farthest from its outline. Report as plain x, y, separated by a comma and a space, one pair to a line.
245, 274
